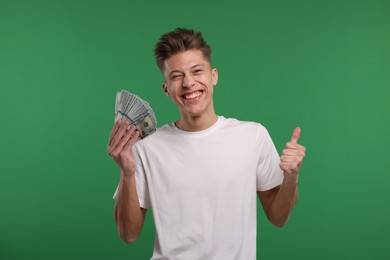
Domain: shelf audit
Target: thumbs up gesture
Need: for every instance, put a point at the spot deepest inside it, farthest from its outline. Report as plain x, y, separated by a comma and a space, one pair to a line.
292, 157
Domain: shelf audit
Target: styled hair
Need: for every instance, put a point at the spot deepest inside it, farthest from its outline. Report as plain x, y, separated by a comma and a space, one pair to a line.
177, 41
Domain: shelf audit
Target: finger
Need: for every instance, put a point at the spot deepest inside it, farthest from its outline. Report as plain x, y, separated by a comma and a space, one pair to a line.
295, 146
289, 167
295, 135
290, 159
123, 141
114, 130
118, 136
292, 151
285, 167
132, 141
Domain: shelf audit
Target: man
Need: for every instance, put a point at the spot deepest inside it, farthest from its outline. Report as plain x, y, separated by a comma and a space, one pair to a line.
200, 174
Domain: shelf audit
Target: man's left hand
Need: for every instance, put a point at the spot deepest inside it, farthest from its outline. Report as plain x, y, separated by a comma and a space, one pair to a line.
292, 157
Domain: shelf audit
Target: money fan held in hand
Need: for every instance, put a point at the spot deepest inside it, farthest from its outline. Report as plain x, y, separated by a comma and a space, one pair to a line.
136, 110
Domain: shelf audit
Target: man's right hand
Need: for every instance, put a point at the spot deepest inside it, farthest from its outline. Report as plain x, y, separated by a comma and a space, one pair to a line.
129, 216
120, 146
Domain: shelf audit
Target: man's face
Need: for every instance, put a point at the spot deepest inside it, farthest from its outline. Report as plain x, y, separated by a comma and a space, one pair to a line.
189, 82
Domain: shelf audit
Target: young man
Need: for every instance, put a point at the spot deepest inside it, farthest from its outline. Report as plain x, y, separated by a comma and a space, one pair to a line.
200, 174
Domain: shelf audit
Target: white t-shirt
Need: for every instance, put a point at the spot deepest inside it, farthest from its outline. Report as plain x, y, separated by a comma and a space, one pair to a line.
202, 187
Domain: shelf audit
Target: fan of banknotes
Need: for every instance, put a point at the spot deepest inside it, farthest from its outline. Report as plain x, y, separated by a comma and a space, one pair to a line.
136, 110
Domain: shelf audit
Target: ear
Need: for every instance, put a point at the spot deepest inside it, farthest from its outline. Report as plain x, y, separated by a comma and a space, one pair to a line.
165, 88
214, 74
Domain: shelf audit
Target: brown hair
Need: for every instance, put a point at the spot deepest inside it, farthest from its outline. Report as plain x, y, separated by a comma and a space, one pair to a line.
177, 41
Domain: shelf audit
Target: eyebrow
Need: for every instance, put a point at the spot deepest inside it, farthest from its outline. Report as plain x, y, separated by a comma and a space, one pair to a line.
197, 65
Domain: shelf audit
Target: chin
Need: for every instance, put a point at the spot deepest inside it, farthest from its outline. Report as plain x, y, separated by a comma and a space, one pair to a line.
195, 112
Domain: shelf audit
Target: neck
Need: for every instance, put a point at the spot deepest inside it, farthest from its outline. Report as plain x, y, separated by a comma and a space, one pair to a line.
196, 123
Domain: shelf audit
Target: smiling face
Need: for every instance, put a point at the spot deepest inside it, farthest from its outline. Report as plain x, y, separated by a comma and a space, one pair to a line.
189, 82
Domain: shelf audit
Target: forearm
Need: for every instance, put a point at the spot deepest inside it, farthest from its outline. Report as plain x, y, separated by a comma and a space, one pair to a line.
129, 215
283, 203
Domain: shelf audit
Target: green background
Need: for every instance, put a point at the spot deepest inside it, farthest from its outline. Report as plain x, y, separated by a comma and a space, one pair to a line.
321, 65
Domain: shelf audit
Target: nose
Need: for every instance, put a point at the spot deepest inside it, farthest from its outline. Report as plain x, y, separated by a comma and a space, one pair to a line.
188, 81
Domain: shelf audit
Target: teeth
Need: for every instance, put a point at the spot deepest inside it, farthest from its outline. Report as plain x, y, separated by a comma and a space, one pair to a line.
193, 95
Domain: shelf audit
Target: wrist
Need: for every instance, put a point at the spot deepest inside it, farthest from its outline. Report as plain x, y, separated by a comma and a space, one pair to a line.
291, 179
127, 173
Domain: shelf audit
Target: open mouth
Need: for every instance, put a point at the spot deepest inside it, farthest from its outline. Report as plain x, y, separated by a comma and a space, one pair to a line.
192, 95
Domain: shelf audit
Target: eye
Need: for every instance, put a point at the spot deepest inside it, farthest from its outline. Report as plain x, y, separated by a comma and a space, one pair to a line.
176, 76
197, 71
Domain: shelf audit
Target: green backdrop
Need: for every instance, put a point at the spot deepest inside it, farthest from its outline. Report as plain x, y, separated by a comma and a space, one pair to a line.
322, 65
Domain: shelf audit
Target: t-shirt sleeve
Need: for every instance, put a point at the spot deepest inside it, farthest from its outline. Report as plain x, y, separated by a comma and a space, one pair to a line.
269, 174
141, 182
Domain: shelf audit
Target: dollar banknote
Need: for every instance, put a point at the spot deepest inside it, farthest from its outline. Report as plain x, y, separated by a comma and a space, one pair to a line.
137, 111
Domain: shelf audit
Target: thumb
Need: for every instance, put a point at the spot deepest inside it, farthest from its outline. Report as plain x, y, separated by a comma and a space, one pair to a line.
295, 135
